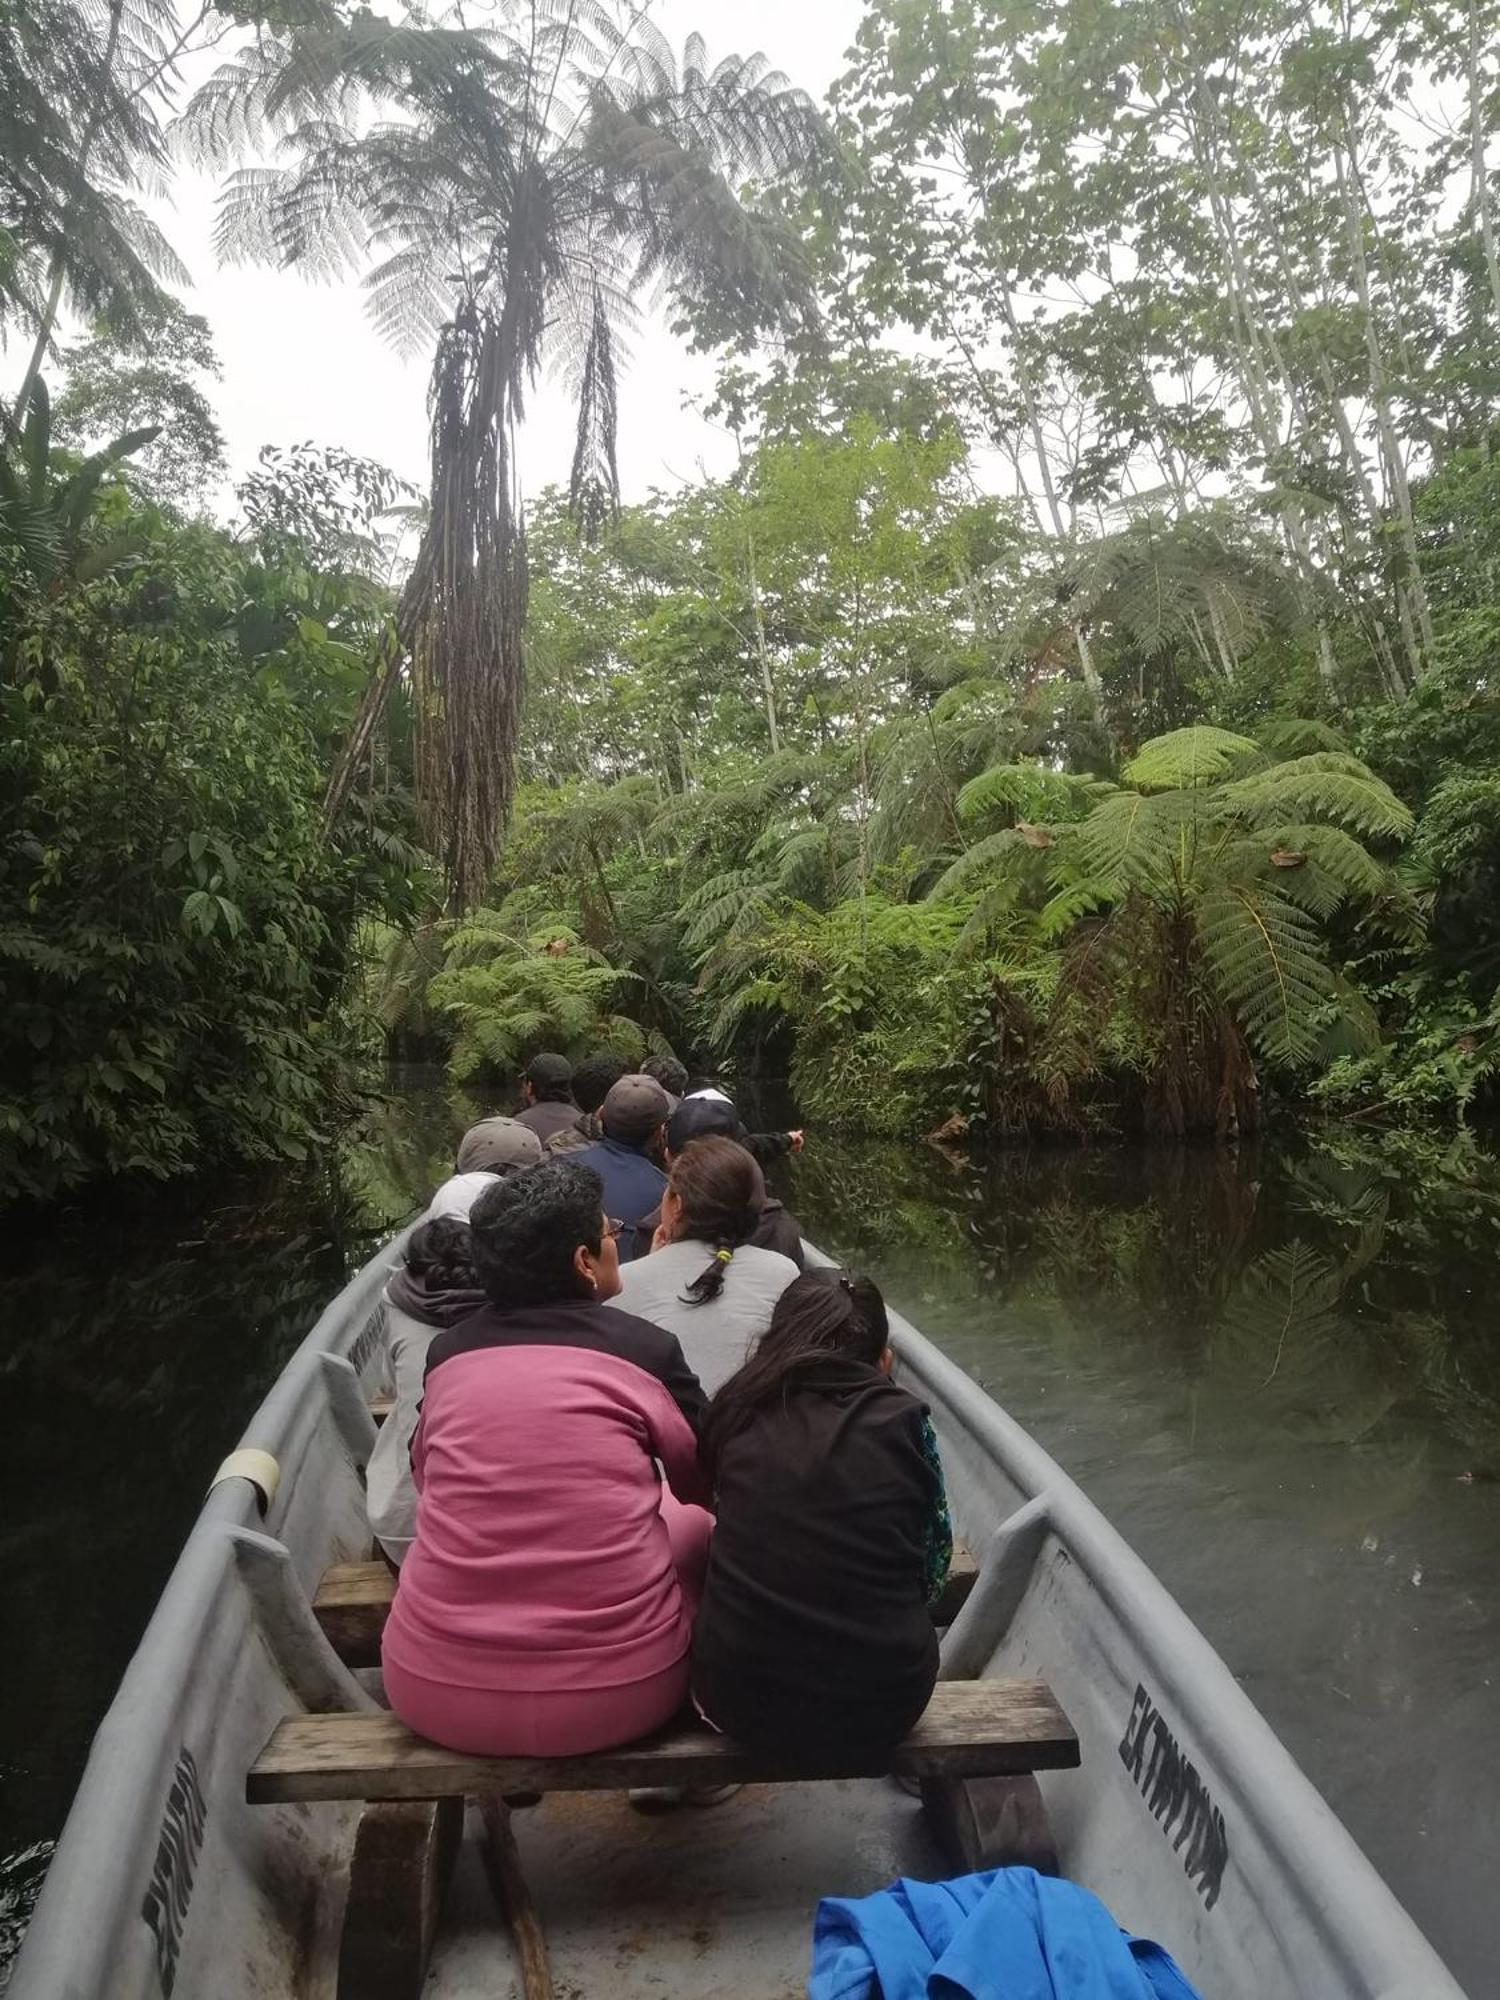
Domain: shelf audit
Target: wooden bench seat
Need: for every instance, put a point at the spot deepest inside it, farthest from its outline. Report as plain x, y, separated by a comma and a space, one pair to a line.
354, 1599
989, 1728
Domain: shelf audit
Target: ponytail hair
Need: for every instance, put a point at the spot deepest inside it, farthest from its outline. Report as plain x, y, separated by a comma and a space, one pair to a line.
722, 1192
816, 1316
440, 1255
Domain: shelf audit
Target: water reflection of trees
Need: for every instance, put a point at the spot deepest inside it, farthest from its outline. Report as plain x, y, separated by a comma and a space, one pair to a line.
1338, 1285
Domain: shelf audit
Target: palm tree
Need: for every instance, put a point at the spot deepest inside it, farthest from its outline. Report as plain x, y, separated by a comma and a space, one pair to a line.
536, 179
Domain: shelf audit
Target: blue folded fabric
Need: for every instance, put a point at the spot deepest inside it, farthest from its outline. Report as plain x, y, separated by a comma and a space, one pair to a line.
1010, 1934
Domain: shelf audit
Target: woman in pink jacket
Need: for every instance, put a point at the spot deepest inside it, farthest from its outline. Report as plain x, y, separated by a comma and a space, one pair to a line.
546, 1605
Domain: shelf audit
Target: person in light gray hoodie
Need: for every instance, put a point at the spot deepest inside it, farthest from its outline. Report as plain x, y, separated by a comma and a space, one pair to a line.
434, 1288
703, 1279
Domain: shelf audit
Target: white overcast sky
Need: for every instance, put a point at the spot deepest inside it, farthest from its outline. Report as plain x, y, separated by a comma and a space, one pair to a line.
301, 361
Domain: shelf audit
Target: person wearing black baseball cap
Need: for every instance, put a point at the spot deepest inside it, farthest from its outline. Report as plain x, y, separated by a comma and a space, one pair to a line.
547, 1096
716, 1118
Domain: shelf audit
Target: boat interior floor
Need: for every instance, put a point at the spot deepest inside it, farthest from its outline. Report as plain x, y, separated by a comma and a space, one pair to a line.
692, 1904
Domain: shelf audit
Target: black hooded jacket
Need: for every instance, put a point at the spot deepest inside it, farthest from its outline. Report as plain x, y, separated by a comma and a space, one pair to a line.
814, 1633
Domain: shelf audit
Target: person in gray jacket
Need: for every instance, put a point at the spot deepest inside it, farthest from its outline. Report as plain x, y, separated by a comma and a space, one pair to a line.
433, 1288
703, 1279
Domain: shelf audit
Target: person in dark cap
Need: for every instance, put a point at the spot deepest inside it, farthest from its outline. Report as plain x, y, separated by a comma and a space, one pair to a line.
591, 1082
716, 1118
493, 1146
547, 1096
632, 1115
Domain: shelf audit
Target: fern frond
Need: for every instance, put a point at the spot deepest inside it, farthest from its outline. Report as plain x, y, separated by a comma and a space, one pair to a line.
1128, 840
762, 995
1297, 736
1322, 785
1317, 867
1031, 791
1187, 757
1266, 957
1290, 1294
999, 853
1068, 906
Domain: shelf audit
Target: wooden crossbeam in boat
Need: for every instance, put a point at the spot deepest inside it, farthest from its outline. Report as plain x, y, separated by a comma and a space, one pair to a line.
352, 1604
354, 1599
988, 1728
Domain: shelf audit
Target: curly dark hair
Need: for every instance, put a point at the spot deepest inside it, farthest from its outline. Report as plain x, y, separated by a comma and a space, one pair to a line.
593, 1078
526, 1229
668, 1072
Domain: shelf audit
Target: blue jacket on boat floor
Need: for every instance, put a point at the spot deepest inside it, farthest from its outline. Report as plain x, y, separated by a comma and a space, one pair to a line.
1010, 1934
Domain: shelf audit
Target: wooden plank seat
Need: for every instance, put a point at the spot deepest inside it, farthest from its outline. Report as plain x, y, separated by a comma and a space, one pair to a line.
354, 1599
988, 1728
996, 1733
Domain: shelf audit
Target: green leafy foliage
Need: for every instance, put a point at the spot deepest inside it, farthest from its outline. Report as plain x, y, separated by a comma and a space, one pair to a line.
509, 996
177, 931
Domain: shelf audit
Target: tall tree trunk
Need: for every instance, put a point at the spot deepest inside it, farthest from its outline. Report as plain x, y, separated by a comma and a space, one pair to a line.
1086, 666
1413, 590
767, 685
1061, 529
1355, 465
1216, 622
1479, 181
1259, 354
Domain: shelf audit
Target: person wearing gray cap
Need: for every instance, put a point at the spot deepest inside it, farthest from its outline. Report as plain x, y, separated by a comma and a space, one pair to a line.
547, 1094
493, 1146
632, 1115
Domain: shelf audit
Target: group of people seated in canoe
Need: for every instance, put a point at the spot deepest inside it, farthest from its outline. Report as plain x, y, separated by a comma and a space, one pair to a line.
638, 1456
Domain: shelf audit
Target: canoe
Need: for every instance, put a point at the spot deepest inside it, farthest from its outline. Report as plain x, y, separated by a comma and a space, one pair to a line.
1185, 1814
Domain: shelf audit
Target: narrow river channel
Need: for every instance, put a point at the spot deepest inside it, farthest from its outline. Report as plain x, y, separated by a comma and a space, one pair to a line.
1277, 1371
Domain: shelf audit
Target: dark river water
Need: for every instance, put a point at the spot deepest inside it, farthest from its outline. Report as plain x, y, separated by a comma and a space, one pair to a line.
1277, 1371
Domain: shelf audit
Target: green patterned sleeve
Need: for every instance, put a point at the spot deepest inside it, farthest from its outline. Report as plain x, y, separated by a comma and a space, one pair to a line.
939, 1551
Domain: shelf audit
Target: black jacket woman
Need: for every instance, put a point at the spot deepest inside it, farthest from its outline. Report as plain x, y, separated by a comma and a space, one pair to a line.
832, 1536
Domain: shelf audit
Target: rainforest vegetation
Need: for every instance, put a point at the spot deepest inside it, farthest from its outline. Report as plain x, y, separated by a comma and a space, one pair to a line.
1076, 712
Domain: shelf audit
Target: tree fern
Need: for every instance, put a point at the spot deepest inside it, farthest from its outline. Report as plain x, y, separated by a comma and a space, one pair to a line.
1073, 903
1133, 840
1318, 867
998, 855
508, 192
722, 903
